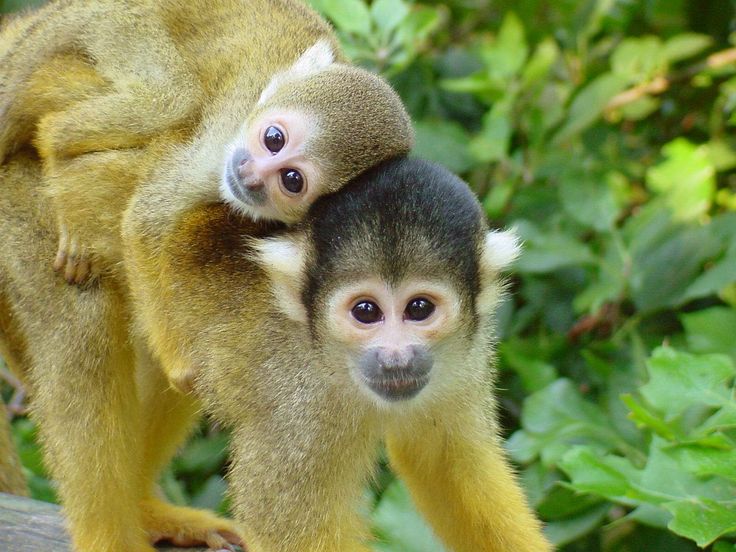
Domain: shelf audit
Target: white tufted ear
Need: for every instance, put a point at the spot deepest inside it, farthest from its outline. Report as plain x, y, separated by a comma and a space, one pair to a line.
317, 57
283, 259
499, 250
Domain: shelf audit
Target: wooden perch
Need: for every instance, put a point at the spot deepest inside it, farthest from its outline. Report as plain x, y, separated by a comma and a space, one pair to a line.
31, 526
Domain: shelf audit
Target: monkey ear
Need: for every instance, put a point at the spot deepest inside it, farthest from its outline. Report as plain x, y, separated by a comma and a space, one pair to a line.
317, 57
500, 249
283, 258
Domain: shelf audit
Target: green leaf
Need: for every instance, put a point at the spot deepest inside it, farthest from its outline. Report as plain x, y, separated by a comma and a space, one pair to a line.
588, 199
563, 531
350, 16
702, 520
643, 417
211, 494
418, 25
556, 417
606, 476
715, 278
388, 14
686, 178
711, 330
397, 525
685, 45
541, 62
666, 259
492, 143
203, 454
444, 142
549, 251
639, 59
589, 103
505, 57
704, 461
679, 380
535, 373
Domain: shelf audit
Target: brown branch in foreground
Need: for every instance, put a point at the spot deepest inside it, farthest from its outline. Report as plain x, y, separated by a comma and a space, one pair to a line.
660, 84
16, 406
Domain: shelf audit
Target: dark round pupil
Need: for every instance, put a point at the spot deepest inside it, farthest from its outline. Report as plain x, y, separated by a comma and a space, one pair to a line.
419, 309
292, 180
274, 139
367, 312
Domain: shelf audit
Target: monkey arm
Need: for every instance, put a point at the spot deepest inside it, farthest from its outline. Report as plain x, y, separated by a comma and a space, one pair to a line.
461, 481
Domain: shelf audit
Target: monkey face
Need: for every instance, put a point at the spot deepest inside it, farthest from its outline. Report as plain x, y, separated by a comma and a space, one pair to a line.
390, 333
267, 173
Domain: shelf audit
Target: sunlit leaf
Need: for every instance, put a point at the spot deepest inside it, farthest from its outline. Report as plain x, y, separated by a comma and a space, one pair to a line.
679, 380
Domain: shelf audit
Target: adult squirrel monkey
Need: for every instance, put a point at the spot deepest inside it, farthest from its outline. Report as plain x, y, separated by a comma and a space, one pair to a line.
371, 320
368, 321
95, 83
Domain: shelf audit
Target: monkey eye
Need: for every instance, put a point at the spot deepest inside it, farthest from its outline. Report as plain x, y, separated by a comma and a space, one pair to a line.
367, 312
274, 139
292, 180
419, 309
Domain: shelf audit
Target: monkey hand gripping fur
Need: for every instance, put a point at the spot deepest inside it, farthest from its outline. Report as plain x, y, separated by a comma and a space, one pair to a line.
369, 321
95, 85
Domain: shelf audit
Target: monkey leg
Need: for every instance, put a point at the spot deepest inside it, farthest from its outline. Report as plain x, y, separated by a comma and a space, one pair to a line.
461, 481
87, 409
89, 194
55, 86
168, 416
153, 92
79, 366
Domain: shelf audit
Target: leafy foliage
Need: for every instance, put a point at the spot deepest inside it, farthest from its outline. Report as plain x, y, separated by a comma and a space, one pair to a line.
602, 130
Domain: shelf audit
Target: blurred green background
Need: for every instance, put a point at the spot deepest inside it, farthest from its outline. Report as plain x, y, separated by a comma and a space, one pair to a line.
603, 131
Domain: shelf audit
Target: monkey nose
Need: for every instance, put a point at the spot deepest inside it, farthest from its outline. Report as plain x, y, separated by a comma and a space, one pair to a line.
254, 184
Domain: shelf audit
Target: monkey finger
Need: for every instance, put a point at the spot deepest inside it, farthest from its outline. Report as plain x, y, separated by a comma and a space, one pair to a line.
60, 260
61, 253
223, 540
72, 260
216, 542
82, 270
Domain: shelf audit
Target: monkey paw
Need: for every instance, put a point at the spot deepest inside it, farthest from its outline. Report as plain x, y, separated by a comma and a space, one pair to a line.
72, 260
188, 526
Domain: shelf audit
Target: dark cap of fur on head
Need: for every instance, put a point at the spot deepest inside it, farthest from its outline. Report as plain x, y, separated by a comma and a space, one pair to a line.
404, 217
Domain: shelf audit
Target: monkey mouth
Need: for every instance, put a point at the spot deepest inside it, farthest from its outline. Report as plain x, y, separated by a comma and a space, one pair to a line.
397, 387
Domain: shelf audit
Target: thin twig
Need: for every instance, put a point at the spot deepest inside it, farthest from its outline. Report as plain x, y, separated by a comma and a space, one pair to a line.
16, 406
660, 84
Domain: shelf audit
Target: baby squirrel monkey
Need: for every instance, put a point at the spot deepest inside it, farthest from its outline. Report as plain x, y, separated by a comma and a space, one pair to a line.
93, 83
369, 321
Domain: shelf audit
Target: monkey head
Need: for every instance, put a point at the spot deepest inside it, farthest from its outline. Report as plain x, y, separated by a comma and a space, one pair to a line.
396, 276
316, 126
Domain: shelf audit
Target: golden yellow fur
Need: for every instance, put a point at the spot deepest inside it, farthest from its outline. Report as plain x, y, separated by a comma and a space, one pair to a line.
99, 361
91, 78
258, 372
